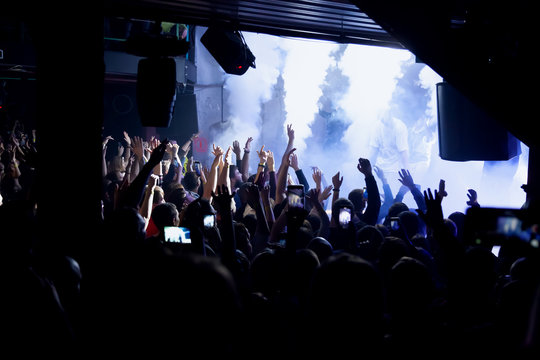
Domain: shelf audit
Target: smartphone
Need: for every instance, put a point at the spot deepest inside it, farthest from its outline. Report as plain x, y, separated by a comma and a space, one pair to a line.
344, 216
209, 221
177, 234
365, 194
197, 167
295, 196
395, 223
494, 226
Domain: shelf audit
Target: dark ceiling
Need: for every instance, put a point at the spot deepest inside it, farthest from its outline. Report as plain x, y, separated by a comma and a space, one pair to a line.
483, 48
336, 20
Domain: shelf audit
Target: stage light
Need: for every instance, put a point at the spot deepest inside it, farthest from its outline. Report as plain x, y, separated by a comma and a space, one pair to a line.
229, 49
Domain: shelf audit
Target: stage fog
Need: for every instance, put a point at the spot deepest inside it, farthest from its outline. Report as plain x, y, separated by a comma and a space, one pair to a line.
335, 95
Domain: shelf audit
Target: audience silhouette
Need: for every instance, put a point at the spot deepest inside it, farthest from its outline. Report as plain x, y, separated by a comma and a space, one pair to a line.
258, 276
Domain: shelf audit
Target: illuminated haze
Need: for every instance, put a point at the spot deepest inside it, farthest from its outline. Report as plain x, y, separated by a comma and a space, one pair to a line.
332, 95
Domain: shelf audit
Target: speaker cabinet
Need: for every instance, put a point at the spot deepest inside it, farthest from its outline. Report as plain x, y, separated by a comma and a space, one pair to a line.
466, 132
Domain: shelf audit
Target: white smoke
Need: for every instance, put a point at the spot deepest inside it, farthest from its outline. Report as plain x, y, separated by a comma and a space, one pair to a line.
247, 92
373, 73
303, 74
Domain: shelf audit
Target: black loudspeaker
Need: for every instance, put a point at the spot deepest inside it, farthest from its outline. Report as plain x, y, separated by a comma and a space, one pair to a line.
466, 132
120, 110
156, 91
229, 49
185, 120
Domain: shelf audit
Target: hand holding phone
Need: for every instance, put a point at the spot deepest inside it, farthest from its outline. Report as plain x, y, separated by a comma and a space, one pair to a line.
177, 234
295, 196
197, 167
344, 216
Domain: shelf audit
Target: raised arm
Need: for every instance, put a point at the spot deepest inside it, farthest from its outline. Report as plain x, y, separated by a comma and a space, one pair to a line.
224, 178
244, 170
473, 198
281, 183
371, 214
127, 148
271, 174
406, 180
104, 167
314, 196
263, 158
146, 207
224, 199
387, 193
212, 178
238, 154
336, 183
298, 171
132, 196
285, 160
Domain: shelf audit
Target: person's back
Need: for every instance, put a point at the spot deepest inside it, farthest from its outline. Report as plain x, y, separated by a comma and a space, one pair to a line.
414, 312
346, 306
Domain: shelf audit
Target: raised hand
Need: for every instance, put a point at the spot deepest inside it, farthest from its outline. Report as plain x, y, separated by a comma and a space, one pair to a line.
294, 162
434, 214
263, 155
364, 166
473, 198
236, 149
247, 147
406, 179
442, 192
270, 160
217, 150
105, 141
223, 199
127, 139
337, 181
253, 195
228, 156
317, 177
290, 132
223, 195
158, 153
137, 146
380, 174
325, 193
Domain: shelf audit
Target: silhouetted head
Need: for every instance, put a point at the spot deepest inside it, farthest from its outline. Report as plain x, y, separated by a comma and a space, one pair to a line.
194, 213
356, 196
321, 247
165, 214
459, 220
177, 196
368, 240
242, 237
411, 288
346, 299
191, 181
410, 222
394, 211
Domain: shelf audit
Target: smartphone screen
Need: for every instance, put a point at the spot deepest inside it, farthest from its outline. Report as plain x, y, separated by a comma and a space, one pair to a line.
394, 223
197, 167
344, 216
295, 196
494, 226
176, 234
209, 221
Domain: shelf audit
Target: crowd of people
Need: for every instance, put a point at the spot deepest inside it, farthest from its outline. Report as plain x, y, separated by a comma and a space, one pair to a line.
328, 274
